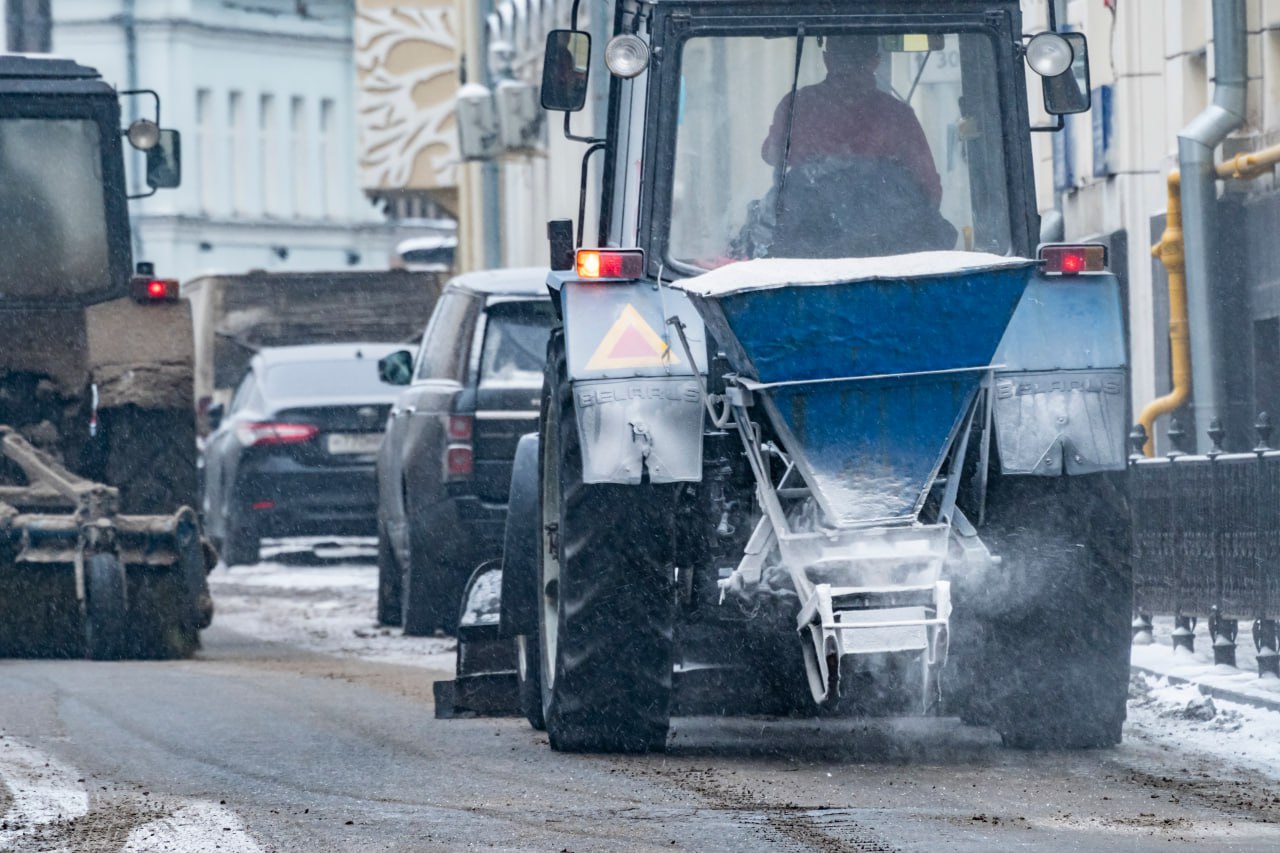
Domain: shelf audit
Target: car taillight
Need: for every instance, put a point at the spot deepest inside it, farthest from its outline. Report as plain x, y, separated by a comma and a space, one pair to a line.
459, 427
623, 264
458, 461
1073, 260
269, 432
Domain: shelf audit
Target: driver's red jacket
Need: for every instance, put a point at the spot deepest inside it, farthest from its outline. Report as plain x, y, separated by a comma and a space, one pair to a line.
847, 116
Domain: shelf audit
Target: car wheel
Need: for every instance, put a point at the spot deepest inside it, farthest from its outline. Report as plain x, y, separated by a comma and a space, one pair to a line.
430, 590
242, 544
389, 580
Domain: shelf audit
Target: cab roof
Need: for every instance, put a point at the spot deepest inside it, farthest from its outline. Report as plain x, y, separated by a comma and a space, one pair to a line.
509, 281
43, 66
371, 350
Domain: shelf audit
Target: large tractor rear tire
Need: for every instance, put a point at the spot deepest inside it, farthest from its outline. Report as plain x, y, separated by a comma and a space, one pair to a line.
106, 608
1048, 664
607, 604
150, 456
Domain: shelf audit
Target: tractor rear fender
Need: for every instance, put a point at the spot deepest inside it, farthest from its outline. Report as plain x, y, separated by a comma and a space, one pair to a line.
1060, 397
141, 354
521, 544
636, 396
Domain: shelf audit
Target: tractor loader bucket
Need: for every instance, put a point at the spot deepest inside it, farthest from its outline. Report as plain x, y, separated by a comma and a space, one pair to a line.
866, 370
79, 579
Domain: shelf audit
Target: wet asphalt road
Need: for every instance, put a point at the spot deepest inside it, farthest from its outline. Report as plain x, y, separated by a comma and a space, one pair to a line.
314, 753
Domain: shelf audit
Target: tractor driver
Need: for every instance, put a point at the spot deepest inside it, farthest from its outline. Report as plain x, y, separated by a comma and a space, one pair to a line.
860, 178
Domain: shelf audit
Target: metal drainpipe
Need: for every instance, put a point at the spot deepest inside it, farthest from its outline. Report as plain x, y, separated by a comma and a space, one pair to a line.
129, 24
490, 174
600, 26
1196, 144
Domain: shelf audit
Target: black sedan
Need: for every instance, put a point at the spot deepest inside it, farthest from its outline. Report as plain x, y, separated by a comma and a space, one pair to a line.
294, 455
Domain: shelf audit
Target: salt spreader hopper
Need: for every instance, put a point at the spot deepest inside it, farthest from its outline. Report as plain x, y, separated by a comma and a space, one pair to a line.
867, 371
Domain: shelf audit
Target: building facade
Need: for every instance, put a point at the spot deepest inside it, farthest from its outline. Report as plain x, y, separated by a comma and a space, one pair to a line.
407, 54
1152, 66
263, 93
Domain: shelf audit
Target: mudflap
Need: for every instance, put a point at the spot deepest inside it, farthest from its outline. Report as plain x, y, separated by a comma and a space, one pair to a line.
635, 390
485, 683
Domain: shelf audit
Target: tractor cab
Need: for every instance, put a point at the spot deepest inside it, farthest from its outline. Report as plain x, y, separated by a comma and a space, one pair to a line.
64, 188
818, 130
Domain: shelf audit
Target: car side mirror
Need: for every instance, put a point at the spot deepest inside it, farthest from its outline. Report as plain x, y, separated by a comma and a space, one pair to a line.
214, 415
396, 368
164, 161
1069, 92
565, 69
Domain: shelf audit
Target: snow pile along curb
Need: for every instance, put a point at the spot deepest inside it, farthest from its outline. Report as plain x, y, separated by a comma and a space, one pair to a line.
1236, 684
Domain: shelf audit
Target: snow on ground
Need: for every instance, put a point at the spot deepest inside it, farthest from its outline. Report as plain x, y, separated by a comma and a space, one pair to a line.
319, 594
1198, 666
1182, 716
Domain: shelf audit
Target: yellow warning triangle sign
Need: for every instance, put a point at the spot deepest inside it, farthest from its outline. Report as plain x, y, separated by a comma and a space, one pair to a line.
631, 342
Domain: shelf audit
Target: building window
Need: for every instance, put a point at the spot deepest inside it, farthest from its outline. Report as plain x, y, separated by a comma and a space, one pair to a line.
235, 151
268, 168
298, 153
328, 160
206, 169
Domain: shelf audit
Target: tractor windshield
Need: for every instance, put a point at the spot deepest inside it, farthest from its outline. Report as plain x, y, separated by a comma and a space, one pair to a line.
53, 223
837, 146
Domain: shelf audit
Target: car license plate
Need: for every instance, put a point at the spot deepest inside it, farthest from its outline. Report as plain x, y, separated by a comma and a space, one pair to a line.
355, 442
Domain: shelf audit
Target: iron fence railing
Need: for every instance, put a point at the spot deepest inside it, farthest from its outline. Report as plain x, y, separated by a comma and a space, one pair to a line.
1206, 541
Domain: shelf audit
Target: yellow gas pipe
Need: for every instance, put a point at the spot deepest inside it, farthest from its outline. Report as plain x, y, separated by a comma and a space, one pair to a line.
1170, 252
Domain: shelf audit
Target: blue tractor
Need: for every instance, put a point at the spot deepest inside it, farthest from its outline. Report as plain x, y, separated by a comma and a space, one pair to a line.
824, 429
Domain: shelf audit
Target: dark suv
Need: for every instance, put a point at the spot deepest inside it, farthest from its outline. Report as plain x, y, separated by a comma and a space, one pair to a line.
444, 469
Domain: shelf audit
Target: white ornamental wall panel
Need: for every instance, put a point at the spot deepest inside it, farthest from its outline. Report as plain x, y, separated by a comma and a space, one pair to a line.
406, 61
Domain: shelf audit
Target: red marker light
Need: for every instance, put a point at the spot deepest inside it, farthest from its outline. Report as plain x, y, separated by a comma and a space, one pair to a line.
264, 504
611, 263
1073, 260
146, 289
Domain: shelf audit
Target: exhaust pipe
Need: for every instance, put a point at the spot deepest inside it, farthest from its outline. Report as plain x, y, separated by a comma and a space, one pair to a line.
1196, 144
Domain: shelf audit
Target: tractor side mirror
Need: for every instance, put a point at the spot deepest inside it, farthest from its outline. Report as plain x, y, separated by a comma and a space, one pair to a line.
396, 368
565, 69
164, 161
1068, 91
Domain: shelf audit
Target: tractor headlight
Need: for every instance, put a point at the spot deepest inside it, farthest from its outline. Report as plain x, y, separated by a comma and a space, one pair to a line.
1049, 54
626, 55
144, 134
